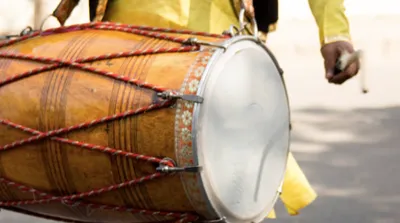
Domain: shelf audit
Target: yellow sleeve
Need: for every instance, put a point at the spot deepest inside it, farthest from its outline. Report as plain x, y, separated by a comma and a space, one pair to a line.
331, 19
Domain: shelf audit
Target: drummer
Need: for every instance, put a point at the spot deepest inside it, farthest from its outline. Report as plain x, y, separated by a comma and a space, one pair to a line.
215, 17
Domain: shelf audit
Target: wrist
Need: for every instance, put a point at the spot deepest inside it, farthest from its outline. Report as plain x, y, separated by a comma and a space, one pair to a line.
335, 38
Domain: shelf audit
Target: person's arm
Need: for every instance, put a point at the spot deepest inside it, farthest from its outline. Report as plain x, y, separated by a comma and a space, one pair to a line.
331, 19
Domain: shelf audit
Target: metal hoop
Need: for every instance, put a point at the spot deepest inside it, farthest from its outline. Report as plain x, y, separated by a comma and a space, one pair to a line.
45, 20
242, 23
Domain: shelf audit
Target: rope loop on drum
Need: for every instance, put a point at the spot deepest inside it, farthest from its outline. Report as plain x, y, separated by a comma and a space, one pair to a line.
69, 200
148, 31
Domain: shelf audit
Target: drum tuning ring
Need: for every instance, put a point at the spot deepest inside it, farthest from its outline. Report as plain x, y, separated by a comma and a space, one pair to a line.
28, 30
168, 169
233, 31
175, 95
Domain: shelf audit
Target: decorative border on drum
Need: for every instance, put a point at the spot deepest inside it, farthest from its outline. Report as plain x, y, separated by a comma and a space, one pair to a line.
183, 135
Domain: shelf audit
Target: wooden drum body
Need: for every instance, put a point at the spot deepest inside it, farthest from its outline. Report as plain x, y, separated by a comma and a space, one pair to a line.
89, 112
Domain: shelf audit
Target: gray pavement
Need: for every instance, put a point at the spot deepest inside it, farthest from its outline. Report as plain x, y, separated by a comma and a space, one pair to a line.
346, 142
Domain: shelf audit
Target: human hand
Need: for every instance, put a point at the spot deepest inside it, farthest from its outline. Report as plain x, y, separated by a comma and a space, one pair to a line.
249, 7
331, 53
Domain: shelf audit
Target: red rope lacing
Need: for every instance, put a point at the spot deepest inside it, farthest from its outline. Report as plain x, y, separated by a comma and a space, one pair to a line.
52, 64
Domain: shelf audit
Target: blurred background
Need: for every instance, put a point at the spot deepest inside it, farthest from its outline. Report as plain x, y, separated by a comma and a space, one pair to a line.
346, 142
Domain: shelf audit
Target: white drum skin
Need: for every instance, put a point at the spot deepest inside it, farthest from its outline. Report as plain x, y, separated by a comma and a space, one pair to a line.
241, 131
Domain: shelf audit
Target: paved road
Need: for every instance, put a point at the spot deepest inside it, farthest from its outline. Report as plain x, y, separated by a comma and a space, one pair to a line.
346, 142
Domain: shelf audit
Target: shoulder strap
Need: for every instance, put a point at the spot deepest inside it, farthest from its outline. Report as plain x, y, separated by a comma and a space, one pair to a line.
100, 6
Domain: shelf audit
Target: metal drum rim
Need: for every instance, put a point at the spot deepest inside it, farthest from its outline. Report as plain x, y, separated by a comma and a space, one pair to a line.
218, 53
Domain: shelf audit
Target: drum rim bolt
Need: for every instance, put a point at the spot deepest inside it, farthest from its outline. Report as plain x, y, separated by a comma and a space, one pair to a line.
193, 41
165, 168
169, 95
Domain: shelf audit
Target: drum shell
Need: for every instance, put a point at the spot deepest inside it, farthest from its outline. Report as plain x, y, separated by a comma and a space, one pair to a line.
68, 96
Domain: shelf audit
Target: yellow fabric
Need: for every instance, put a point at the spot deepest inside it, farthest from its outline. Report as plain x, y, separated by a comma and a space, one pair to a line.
199, 15
297, 193
331, 20
202, 14
272, 214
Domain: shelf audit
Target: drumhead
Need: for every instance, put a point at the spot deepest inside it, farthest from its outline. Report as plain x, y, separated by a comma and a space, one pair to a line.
241, 131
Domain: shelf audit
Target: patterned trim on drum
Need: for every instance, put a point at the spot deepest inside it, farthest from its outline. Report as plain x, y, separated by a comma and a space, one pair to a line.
183, 135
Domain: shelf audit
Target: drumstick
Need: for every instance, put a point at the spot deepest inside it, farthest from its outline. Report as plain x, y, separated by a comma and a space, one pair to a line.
345, 60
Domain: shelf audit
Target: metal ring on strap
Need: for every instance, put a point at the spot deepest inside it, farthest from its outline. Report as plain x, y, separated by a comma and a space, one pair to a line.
45, 20
242, 23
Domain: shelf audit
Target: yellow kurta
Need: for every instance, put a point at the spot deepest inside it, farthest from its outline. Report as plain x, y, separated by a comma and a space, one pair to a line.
203, 15
215, 17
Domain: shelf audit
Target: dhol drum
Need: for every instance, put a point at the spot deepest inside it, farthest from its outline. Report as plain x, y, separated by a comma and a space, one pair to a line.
109, 123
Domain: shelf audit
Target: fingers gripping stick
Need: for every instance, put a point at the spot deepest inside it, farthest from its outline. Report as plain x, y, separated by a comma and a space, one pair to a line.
346, 59
344, 62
